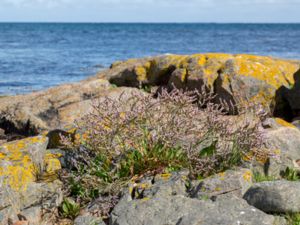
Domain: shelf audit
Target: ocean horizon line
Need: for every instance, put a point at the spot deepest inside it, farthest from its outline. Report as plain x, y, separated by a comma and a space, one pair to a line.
208, 23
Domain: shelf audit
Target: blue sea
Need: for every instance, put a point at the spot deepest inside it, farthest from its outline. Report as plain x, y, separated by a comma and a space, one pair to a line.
35, 56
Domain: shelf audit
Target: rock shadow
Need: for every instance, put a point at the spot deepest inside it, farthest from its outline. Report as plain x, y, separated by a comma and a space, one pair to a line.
287, 101
13, 133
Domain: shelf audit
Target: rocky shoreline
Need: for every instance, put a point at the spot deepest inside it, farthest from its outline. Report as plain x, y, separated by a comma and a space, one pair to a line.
256, 190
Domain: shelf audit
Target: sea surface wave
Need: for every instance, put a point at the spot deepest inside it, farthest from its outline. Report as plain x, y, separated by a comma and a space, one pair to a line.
35, 56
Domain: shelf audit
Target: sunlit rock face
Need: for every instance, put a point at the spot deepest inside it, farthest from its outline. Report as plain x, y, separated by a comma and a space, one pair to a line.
250, 78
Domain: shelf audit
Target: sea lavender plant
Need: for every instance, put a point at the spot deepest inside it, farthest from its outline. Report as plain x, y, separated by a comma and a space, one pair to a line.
137, 134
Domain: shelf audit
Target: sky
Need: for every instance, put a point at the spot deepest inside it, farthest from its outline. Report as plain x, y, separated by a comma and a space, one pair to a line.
220, 11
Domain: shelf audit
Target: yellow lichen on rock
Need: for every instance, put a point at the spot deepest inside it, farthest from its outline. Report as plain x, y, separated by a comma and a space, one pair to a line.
52, 163
165, 176
17, 165
283, 123
247, 176
222, 175
252, 78
274, 72
17, 176
141, 73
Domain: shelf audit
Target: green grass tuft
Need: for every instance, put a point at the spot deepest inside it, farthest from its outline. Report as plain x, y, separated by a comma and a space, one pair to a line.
291, 174
293, 219
69, 208
258, 177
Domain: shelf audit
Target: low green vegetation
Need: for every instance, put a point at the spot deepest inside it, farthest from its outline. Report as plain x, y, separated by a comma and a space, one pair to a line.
69, 209
291, 174
146, 88
258, 177
293, 219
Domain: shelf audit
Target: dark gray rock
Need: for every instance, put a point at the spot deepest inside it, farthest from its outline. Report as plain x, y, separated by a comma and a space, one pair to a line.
275, 196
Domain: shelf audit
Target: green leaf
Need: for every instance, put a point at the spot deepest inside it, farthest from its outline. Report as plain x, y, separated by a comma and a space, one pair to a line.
65, 208
208, 151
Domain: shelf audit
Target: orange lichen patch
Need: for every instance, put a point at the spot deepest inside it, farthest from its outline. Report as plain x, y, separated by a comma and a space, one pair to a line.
165, 176
218, 189
219, 56
83, 136
72, 130
2, 156
14, 150
144, 186
52, 163
226, 80
248, 157
183, 75
260, 75
123, 115
138, 187
16, 167
247, 176
222, 175
202, 60
260, 158
265, 97
274, 72
17, 177
276, 152
141, 73
284, 123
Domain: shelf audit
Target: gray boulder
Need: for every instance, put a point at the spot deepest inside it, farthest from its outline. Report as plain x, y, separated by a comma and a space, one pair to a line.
180, 210
160, 185
235, 182
275, 196
32, 204
171, 199
285, 143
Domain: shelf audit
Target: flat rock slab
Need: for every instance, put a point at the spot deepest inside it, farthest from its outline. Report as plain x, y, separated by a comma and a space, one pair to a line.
180, 210
235, 182
275, 196
57, 107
